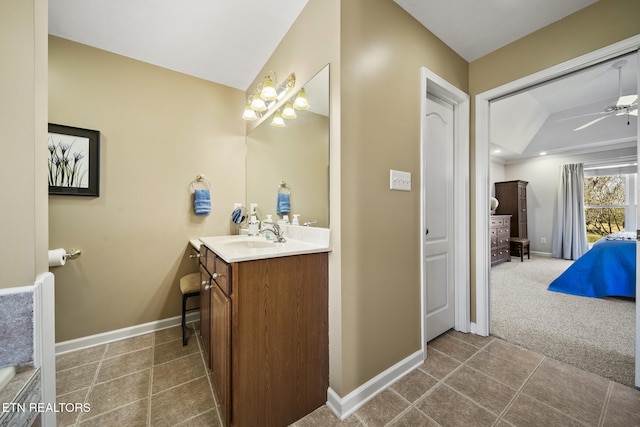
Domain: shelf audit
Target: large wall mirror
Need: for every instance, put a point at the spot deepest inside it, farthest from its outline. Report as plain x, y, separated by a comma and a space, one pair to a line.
296, 154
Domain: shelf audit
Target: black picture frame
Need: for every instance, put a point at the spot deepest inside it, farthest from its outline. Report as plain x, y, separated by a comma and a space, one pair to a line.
73, 161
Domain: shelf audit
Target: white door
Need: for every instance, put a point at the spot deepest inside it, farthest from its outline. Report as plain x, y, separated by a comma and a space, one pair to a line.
438, 167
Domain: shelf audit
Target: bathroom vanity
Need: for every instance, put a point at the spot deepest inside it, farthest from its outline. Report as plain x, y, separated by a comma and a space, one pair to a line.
264, 325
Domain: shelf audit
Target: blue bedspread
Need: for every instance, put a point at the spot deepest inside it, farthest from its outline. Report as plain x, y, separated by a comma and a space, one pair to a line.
607, 269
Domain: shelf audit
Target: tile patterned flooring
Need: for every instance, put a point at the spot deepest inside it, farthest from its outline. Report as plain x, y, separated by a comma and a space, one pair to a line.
467, 380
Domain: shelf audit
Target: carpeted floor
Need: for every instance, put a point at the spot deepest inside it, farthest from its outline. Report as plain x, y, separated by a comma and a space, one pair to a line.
594, 334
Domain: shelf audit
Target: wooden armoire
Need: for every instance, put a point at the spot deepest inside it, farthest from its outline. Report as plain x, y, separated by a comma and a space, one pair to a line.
512, 200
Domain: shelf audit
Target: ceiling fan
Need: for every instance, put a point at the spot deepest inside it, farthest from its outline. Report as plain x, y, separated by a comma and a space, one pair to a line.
626, 104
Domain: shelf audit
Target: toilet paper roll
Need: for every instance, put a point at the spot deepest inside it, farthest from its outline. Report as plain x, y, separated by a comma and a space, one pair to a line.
57, 257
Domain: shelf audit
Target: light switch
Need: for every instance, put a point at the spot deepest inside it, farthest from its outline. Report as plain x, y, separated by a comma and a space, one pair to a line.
399, 180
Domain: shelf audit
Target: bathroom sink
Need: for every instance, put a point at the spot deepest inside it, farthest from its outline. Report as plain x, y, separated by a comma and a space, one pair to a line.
251, 244
300, 240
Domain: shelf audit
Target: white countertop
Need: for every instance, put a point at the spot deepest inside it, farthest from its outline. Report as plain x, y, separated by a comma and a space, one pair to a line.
300, 240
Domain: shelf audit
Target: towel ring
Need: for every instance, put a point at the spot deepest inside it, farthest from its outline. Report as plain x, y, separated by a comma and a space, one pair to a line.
200, 179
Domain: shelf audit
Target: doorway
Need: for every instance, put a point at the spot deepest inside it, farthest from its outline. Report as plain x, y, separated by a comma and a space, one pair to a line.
483, 314
451, 97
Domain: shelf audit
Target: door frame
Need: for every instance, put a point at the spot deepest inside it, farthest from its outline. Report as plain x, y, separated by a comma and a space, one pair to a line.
482, 190
434, 84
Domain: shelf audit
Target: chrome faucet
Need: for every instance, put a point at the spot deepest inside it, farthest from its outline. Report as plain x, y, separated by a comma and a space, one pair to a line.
275, 229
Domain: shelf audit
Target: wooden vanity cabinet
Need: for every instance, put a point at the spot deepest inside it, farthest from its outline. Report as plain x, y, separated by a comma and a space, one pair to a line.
269, 341
205, 310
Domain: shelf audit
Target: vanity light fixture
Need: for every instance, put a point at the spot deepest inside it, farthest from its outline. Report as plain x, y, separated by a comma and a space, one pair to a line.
267, 94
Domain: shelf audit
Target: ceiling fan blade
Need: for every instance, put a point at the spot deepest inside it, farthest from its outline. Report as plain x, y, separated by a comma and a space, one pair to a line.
633, 112
626, 100
580, 116
591, 122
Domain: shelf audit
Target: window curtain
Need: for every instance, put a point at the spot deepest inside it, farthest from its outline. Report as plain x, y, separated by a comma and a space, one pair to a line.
569, 229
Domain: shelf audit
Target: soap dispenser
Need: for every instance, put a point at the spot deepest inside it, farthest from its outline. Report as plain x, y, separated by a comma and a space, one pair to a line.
267, 229
253, 226
296, 220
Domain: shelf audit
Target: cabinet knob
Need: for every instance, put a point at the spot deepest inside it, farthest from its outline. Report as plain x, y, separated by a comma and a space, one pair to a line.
207, 287
204, 282
217, 275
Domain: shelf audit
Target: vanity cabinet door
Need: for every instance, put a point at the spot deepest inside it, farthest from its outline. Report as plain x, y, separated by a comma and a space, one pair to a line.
205, 309
221, 350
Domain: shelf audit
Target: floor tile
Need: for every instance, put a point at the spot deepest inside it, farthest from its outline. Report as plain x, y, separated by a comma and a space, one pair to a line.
515, 354
623, 408
527, 411
176, 404
208, 419
112, 394
124, 364
414, 385
450, 408
131, 415
383, 408
169, 334
570, 390
176, 372
504, 370
125, 346
412, 418
453, 347
438, 364
75, 378
69, 418
80, 357
482, 389
471, 339
172, 350
325, 418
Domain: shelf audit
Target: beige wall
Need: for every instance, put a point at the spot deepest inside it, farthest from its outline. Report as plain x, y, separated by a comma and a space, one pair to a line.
159, 129
23, 126
599, 25
382, 51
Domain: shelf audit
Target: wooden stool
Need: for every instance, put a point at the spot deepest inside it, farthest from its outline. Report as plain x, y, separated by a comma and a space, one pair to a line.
518, 246
190, 287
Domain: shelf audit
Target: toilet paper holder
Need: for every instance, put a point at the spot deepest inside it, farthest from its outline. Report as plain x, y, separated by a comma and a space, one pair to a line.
73, 254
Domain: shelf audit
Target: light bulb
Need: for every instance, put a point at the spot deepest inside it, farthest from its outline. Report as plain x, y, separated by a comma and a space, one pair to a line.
268, 92
288, 112
249, 114
301, 102
258, 104
277, 121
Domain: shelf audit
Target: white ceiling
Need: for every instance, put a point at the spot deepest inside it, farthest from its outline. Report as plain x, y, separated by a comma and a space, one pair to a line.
228, 42
224, 41
474, 28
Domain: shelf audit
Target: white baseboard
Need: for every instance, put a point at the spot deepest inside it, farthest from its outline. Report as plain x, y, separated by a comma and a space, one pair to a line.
342, 407
121, 334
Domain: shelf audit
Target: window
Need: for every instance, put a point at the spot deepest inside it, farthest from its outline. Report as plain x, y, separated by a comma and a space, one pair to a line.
609, 204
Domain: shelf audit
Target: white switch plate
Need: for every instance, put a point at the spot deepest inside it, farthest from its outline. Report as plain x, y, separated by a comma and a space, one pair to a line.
399, 180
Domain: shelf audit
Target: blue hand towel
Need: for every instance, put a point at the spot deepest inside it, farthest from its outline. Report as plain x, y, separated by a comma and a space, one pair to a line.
284, 204
202, 202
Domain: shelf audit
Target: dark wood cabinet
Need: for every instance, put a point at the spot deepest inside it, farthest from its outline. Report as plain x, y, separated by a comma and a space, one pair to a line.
499, 229
269, 337
512, 200
205, 308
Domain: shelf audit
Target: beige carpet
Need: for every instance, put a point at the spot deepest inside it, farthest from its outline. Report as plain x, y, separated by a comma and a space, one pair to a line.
594, 334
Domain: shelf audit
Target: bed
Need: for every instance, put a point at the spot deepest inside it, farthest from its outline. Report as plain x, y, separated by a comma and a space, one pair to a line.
607, 269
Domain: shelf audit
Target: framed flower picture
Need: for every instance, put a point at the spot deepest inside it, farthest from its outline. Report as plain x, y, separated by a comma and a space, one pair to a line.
74, 161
